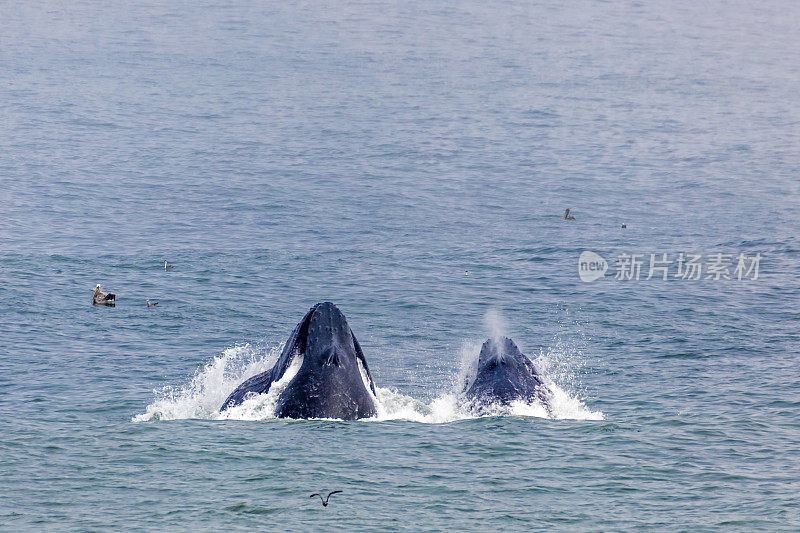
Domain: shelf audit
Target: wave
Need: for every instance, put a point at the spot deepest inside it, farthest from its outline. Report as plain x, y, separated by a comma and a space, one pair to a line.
202, 397
211, 385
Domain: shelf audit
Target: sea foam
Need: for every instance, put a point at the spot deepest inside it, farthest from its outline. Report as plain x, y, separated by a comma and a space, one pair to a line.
203, 395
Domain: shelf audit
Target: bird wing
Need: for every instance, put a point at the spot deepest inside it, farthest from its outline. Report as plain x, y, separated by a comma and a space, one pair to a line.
315, 494
333, 492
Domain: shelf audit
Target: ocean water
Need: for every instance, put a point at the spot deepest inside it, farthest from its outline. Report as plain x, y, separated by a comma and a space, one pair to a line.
371, 154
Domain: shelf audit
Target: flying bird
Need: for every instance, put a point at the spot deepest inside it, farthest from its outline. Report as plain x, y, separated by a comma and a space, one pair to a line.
167, 266
149, 303
325, 501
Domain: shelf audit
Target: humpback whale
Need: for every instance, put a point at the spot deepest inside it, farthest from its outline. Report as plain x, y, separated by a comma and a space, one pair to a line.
328, 383
503, 375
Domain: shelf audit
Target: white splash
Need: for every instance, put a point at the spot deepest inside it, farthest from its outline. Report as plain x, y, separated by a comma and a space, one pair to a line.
262, 406
468, 364
495, 323
450, 407
210, 386
202, 397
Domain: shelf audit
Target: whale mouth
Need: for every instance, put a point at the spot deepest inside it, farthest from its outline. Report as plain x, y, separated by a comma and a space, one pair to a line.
328, 382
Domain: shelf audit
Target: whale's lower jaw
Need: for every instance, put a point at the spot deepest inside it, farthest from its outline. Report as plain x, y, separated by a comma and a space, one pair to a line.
335, 394
485, 402
499, 394
333, 379
305, 410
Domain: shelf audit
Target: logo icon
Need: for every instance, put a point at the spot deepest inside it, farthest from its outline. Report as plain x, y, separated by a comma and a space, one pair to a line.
591, 266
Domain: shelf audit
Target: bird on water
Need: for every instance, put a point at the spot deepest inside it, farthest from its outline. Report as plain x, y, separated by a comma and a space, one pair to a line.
325, 501
566, 215
167, 266
149, 303
101, 298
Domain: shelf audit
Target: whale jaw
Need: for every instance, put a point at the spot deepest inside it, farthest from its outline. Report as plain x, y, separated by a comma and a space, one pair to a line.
329, 382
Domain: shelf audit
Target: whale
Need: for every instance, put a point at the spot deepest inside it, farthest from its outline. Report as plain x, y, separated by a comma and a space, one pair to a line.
504, 375
333, 379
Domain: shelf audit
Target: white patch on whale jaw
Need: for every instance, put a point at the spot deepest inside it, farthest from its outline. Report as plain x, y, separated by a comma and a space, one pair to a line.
368, 385
262, 406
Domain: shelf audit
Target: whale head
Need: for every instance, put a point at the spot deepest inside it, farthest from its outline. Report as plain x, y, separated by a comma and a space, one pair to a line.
504, 374
333, 379
329, 342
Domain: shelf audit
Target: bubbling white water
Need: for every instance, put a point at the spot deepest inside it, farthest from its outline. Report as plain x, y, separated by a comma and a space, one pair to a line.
211, 385
262, 406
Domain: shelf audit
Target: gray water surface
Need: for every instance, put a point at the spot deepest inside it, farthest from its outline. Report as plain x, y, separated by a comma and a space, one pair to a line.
281, 154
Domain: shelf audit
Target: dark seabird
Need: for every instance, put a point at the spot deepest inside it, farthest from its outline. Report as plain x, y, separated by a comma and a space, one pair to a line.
566, 215
149, 303
167, 266
624, 226
325, 501
101, 298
